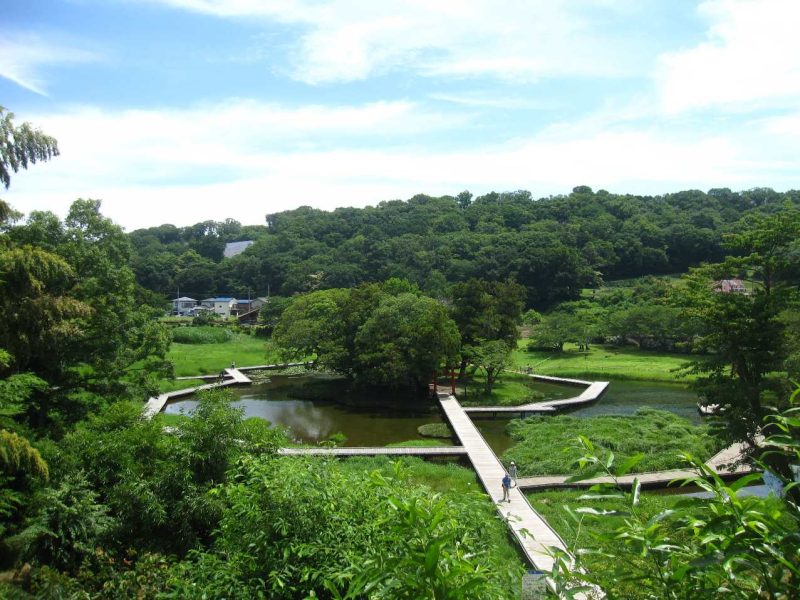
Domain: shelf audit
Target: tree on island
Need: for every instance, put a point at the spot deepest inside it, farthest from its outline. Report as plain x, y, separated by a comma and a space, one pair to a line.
384, 334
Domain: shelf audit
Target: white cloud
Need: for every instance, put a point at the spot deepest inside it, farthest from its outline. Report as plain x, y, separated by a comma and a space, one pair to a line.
751, 57
24, 55
223, 140
243, 159
344, 40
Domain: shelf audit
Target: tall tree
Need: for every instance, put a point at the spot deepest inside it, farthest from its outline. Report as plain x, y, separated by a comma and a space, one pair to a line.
404, 340
486, 311
742, 334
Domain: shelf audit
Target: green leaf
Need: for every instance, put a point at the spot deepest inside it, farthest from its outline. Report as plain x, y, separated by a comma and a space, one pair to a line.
625, 466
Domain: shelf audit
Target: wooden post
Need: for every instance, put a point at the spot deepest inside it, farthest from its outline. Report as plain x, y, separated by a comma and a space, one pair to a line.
452, 381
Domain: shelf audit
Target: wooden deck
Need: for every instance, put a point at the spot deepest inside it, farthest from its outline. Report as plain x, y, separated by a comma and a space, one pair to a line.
594, 390
156, 404
535, 536
719, 463
376, 451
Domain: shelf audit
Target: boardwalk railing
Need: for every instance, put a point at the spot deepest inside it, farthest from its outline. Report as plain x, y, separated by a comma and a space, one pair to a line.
376, 451
594, 390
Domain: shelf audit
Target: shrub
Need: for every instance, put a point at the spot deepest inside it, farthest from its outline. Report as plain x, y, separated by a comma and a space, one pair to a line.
201, 335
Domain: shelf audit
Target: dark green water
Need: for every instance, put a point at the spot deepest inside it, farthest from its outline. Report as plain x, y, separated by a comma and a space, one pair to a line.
369, 420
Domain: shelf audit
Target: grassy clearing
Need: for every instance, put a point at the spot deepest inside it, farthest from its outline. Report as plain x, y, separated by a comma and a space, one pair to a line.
511, 389
171, 419
209, 359
602, 362
547, 445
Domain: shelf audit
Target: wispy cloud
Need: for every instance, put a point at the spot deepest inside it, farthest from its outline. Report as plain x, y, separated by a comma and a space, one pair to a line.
750, 58
345, 40
23, 57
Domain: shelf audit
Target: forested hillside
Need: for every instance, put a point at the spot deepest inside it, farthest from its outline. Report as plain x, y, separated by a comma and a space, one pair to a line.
552, 246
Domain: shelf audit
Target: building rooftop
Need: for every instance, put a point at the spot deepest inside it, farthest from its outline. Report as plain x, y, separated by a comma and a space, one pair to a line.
234, 248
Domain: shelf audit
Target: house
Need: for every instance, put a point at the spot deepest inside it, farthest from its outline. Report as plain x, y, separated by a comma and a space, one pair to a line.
247, 310
183, 305
221, 305
730, 286
245, 306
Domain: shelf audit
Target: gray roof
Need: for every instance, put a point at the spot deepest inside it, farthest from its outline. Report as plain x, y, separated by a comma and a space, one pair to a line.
234, 248
185, 299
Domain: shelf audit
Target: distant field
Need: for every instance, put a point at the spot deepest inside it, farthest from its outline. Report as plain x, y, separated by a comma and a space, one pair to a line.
603, 361
209, 359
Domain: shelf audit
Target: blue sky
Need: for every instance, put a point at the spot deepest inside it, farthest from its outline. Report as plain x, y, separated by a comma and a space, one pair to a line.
185, 110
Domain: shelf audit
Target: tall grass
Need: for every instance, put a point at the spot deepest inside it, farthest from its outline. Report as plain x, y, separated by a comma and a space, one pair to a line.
546, 445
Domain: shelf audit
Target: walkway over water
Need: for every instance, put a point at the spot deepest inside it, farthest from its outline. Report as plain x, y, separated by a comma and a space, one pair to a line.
232, 377
377, 451
593, 391
720, 463
531, 530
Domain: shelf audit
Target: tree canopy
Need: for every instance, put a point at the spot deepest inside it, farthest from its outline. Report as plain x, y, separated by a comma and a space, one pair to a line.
553, 247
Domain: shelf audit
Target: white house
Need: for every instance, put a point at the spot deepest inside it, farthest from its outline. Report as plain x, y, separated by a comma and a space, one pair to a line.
183, 305
221, 305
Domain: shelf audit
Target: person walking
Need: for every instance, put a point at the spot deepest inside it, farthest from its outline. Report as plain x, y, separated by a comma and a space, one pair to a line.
512, 470
506, 487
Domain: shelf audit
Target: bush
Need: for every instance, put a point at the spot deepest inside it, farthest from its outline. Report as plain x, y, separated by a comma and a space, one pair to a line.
201, 335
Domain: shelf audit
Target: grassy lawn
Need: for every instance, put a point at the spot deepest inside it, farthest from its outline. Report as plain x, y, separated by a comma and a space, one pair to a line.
602, 362
512, 389
210, 359
547, 445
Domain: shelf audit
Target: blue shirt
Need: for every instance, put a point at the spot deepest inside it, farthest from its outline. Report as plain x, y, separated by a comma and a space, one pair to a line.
506, 481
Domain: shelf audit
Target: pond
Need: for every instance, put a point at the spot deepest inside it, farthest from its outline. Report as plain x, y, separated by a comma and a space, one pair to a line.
314, 407
623, 397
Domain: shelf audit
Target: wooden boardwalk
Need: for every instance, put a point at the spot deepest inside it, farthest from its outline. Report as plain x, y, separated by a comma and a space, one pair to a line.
272, 367
535, 536
720, 463
594, 390
156, 404
376, 451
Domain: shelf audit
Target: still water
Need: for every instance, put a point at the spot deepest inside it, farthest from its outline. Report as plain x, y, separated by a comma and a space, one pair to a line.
622, 398
314, 407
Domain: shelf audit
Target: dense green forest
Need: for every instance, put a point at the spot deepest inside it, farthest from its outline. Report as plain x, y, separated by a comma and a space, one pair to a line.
552, 246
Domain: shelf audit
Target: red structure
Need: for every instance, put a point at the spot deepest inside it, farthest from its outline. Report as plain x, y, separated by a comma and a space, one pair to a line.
448, 372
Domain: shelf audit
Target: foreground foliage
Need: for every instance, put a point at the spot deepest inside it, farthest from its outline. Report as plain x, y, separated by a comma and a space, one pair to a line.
728, 546
209, 510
